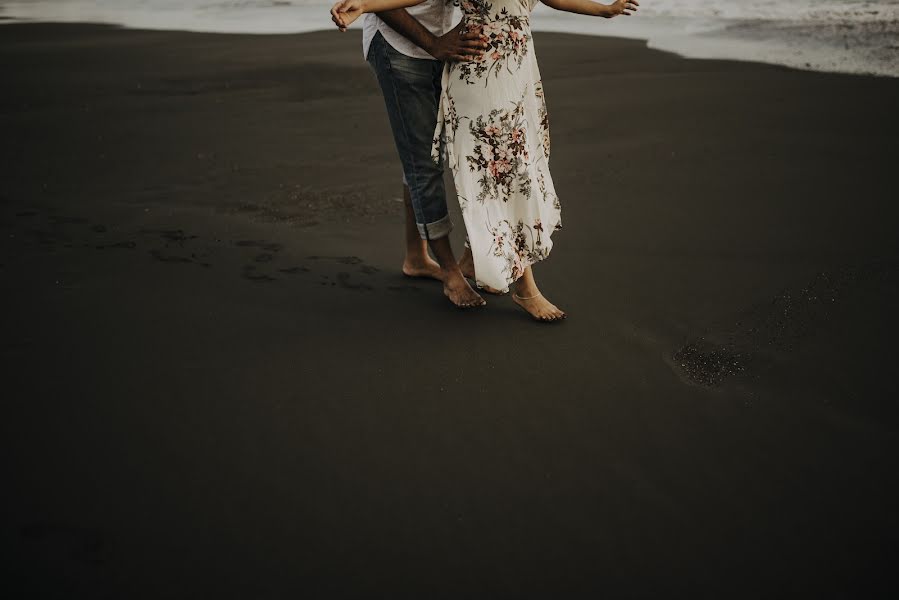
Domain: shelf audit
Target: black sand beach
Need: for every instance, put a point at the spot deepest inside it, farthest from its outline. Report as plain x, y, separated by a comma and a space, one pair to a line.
217, 383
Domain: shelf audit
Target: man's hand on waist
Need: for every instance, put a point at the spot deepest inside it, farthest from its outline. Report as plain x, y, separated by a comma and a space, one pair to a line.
457, 44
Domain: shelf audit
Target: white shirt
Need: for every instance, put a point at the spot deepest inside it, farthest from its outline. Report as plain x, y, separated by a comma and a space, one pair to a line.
435, 15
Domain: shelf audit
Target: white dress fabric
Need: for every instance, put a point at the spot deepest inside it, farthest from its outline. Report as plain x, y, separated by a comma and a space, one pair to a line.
494, 123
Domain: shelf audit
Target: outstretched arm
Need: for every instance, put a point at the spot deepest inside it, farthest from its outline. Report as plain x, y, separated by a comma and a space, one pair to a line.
345, 12
595, 9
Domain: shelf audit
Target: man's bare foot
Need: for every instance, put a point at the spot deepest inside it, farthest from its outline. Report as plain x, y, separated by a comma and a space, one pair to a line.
539, 307
457, 289
466, 265
422, 267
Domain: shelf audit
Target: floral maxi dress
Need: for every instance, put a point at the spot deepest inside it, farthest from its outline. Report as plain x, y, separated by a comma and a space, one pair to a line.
494, 123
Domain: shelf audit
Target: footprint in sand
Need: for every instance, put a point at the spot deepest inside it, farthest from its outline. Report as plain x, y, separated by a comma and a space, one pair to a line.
176, 259
169, 258
123, 244
343, 278
59, 220
268, 256
344, 260
250, 273
262, 244
294, 270
177, 236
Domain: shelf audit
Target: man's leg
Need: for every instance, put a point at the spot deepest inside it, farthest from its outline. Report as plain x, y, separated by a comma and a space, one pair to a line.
411, 93
417, 262
455, 286
466, 264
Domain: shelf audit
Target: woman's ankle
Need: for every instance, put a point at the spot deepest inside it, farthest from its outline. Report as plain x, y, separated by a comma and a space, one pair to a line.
526, 291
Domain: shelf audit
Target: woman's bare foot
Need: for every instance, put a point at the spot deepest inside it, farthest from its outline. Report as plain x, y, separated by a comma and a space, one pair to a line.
466, 264
540, 308
424, 266
460, 293
528, 297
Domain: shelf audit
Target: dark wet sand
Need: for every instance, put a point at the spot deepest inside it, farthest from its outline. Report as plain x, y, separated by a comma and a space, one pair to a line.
218, 384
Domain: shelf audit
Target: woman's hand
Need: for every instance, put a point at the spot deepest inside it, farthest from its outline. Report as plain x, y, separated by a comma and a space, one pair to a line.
345, 12
622, 7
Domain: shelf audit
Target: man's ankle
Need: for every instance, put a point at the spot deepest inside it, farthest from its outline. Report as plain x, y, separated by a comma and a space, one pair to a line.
416, 260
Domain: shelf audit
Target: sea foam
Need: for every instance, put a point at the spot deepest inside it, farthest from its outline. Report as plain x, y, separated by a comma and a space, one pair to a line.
855, 36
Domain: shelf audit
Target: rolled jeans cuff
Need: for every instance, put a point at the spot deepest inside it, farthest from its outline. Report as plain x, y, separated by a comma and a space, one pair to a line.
436, 230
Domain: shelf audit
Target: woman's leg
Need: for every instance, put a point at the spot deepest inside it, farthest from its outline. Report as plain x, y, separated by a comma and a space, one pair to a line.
526, 295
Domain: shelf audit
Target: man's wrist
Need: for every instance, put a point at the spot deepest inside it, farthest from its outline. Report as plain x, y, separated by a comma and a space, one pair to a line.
408, 27
429, 42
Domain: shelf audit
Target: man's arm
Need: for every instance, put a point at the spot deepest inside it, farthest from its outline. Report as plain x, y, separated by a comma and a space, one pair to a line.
455, 45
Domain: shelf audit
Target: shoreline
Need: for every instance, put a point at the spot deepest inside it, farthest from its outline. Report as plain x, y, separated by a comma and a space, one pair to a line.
762, 41
221, 384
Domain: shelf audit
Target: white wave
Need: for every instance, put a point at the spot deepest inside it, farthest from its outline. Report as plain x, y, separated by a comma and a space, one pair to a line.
857, 36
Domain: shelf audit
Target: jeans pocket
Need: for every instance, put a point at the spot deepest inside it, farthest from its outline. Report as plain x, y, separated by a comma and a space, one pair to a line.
419, 70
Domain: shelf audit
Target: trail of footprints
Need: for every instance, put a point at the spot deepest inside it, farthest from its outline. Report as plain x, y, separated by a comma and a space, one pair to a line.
179, 248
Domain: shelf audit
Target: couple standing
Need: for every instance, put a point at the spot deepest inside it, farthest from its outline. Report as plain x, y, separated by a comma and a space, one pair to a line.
481, 101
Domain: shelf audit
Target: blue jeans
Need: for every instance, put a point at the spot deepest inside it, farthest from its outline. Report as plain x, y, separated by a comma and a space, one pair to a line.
411, 88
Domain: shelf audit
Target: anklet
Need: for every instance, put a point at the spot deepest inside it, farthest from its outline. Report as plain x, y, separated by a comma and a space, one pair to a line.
531, 298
